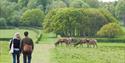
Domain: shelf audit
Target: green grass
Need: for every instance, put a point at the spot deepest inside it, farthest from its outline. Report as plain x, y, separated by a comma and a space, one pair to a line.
5, 57
8, 33
105, 53
48, 38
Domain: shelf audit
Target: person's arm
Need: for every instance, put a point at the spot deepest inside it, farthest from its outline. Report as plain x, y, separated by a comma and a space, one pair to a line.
32, 44
10, 44
21, 44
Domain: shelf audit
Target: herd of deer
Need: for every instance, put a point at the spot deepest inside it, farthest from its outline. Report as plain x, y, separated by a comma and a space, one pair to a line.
75, 42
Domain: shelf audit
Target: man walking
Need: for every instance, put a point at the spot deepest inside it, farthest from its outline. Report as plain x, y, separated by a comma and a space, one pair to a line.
27, 47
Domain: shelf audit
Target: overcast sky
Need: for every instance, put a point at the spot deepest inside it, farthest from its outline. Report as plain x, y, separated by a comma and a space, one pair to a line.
108, 0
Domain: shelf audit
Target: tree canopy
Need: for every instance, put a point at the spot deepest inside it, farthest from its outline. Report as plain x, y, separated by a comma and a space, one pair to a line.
32, 17
76, 22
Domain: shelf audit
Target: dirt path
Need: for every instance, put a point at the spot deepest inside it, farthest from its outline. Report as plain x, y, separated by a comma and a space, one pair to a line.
41, 53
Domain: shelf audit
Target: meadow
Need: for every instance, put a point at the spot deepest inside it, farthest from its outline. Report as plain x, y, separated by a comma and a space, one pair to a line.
106, 52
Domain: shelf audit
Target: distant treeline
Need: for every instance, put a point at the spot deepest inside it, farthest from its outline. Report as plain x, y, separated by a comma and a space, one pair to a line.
68, 17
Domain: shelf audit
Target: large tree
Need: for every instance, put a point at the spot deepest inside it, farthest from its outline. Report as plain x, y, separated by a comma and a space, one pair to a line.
120, 10
76, 22
7, 11
32, 17
44, 4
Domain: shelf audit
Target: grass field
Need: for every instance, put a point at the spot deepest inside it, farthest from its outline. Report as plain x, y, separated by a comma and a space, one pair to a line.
105, 53
46, 53
8, 33
5, 57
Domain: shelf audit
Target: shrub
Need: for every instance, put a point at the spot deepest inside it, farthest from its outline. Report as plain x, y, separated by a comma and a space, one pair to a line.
110, 30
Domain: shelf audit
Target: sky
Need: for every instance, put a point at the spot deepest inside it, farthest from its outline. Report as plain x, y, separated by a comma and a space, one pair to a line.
108, 0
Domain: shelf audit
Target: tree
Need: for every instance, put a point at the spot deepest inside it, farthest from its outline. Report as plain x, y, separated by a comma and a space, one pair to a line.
110, 6
3, 23
14, 19
55, 5
75, 22
32, 17
7, 10
120, 10
92, 3
110, 30
44, 4
67, 2
23, 3
79, 4
13, 1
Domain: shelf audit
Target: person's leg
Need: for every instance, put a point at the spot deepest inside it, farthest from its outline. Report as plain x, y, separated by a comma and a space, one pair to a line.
18, 58
14, 58
29, 58
24, 58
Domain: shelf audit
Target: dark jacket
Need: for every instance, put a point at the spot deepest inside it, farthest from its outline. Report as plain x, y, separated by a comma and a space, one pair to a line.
16, 43
28, 41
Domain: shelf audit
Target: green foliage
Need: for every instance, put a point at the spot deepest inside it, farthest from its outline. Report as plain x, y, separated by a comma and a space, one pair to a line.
3, 23
23, 3
108, 15
92, 3
110, 30
44, 4
120, 8
32, 17
55, 5
76, 22
79, 4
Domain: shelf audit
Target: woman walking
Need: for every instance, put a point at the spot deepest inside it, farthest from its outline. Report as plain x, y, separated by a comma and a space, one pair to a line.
15, 48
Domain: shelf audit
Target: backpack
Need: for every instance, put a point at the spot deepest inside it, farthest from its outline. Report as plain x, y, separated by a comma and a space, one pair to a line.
27, 48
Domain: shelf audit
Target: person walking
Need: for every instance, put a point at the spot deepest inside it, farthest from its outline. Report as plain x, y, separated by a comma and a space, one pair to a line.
15, 48
27, 47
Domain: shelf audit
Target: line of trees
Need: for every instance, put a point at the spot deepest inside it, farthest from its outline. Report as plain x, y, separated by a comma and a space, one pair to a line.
77, 22
11, 11
65, 17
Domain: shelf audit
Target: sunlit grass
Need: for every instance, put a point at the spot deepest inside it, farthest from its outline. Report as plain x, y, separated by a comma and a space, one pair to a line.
9, 33
105, 53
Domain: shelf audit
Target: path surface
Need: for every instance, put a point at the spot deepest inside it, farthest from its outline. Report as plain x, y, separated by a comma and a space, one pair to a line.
41, 53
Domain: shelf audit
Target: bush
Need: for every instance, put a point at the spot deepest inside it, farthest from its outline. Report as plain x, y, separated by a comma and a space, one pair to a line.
110, 30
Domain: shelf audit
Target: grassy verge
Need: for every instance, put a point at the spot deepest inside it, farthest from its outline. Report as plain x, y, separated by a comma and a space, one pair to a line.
106, 53
5, 57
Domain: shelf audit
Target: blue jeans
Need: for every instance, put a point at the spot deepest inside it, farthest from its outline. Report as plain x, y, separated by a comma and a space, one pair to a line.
16, 57
27, 56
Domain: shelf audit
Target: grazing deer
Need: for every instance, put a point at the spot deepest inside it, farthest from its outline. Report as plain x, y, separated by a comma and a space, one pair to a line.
80, 42
67, 41
91, 42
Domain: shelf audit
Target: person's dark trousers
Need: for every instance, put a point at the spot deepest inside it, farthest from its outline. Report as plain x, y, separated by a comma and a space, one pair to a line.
16, 57
27, 56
